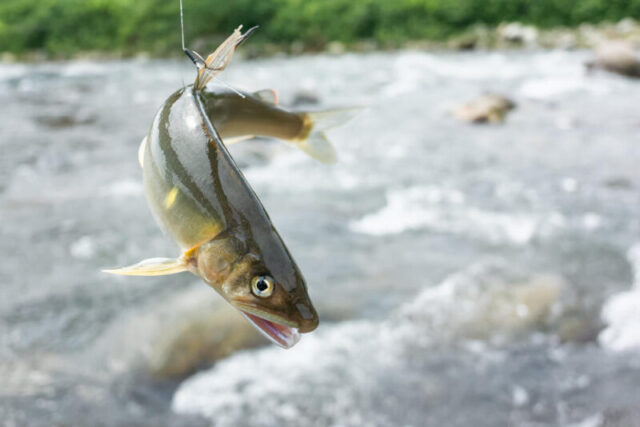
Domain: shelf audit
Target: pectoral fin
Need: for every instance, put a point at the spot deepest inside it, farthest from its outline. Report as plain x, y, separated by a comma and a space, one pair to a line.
152, 267
268, 96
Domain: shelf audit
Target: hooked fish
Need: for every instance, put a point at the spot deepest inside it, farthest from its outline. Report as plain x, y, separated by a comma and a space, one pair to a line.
200, 198
239, 115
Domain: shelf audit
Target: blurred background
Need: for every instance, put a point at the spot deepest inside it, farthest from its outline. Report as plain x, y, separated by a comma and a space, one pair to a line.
474, 255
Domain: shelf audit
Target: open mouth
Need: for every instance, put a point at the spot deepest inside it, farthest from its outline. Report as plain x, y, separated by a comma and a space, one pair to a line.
283, 335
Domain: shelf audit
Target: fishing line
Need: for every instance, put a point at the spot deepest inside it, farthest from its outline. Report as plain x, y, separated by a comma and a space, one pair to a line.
218, 79
182, 25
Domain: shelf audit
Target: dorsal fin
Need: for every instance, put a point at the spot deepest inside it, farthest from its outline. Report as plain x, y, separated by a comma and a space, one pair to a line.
268, 96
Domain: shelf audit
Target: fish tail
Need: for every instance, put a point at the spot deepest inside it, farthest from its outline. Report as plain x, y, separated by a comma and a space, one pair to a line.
316, 144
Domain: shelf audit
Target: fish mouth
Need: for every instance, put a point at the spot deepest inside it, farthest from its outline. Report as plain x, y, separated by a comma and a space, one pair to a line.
280, 332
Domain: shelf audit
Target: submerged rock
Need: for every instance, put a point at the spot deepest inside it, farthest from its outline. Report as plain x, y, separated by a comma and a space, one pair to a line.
490, 108
186, 331
617, 57
179, 335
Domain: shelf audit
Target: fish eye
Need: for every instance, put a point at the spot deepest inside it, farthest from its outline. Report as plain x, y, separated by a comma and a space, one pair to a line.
262, 286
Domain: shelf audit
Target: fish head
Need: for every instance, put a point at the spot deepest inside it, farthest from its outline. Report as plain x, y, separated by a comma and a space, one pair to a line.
272, 296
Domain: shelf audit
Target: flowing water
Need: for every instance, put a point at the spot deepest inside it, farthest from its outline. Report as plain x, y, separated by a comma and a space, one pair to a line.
465, 274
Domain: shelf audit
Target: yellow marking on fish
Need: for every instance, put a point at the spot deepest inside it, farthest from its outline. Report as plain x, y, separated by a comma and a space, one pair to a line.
190, 254
171, 198
305, 130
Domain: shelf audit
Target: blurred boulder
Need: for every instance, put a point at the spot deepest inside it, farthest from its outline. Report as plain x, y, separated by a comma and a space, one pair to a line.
463, 42
175, 337
559, 38
477, 37
488, 108
336, 48
627, 26
185, 331
518, 34
617, 57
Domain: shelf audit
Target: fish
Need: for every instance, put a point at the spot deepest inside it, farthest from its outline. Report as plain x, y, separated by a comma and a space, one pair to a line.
241, 115
201, 200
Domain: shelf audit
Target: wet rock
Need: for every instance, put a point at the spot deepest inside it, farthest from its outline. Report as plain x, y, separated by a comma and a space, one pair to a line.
617, 57
367, 45
490, 108
518, 34
576, 325
628, 26
188, 330
179, 335
559, 38
336, 48
478, 37
8, 57
467, 41
590, 35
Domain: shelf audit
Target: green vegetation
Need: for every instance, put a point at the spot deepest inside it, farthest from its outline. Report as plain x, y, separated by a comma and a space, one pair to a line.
61, 27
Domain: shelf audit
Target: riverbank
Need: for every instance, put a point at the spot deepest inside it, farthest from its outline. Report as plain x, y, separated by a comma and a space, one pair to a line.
505, 36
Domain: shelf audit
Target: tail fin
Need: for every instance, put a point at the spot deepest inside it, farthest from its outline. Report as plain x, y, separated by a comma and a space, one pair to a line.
316, 143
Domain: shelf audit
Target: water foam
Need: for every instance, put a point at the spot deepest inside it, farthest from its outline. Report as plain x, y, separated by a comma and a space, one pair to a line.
344, 366
444, 210
621, 312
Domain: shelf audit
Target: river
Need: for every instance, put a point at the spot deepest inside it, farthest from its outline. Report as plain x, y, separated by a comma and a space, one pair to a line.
464, 274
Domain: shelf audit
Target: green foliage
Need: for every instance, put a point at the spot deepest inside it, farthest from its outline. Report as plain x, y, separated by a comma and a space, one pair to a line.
65, 26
